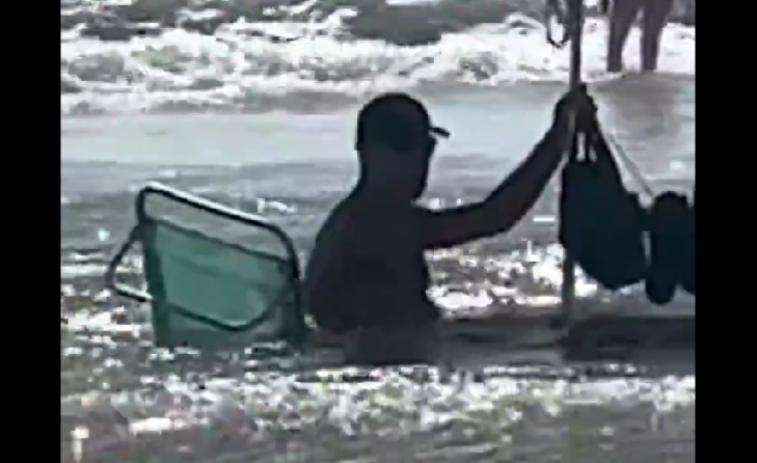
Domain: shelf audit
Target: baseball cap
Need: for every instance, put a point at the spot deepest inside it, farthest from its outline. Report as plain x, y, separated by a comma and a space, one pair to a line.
397, 119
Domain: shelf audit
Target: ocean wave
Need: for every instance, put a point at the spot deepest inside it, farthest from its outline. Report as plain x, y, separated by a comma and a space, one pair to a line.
251, 55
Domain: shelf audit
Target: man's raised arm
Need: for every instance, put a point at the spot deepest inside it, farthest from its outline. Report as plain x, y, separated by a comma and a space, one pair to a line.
517, 194
504, 207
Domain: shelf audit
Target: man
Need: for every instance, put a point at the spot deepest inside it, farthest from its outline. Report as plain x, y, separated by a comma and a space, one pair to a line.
367, 269
623, 14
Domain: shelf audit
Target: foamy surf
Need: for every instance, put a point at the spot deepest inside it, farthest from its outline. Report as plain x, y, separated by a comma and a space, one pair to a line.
145, 56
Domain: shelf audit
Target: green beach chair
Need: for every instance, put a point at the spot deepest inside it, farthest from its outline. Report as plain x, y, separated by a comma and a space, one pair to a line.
215, 277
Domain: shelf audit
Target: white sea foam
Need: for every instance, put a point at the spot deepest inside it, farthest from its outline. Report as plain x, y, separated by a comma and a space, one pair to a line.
254, 65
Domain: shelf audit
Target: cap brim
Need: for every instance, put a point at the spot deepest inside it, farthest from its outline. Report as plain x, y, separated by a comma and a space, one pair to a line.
440, 132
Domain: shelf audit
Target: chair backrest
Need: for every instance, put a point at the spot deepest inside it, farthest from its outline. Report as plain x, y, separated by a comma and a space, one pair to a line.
216, 277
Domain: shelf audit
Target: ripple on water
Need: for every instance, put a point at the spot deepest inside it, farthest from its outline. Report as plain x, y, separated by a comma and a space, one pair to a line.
415, 409
121, 397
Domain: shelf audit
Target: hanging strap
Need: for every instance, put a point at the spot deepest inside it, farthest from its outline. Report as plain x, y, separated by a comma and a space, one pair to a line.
553, 8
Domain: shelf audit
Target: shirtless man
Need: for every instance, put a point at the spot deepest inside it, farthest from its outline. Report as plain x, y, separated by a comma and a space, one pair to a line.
623, 14
367, 269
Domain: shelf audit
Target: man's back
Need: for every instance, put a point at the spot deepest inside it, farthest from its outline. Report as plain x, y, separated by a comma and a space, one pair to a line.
367, 268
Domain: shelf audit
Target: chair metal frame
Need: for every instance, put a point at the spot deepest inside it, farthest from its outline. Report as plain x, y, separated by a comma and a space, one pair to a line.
144, 220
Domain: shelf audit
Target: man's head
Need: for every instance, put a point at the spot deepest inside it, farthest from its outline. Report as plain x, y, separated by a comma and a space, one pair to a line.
395, 140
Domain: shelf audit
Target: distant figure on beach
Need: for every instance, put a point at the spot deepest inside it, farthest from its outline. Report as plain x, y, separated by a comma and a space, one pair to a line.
623, 14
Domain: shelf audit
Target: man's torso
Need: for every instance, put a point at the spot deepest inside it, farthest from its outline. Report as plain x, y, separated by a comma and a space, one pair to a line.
368, 269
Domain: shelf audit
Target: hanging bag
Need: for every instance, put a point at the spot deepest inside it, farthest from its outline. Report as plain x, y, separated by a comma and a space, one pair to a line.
601, 223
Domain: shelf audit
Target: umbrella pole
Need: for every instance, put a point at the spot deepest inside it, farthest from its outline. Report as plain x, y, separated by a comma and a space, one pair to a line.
575, 21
